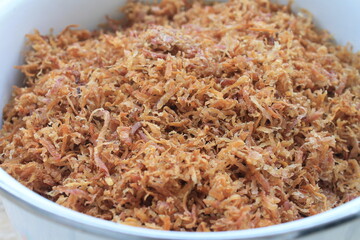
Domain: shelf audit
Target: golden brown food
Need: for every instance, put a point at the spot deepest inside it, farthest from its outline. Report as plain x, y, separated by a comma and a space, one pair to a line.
189, 117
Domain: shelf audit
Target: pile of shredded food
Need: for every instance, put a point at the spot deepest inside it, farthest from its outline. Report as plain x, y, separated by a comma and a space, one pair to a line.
189, 116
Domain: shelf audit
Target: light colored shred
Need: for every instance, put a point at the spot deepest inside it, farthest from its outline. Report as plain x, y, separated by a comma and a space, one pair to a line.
189, 117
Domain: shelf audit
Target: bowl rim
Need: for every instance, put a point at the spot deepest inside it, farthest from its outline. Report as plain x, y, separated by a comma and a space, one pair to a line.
34, 203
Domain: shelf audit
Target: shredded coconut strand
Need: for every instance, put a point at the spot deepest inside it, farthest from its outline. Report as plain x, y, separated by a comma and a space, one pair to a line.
189, 117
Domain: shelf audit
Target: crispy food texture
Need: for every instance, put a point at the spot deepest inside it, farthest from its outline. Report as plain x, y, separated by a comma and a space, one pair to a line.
189, 116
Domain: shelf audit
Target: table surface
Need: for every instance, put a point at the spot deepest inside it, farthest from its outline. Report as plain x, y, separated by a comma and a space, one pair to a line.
6, 230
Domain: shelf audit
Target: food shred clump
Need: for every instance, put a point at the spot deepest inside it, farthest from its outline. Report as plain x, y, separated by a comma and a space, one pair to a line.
189, 116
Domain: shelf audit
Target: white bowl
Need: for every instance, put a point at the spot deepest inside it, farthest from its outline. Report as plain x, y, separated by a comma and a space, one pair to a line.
39, 219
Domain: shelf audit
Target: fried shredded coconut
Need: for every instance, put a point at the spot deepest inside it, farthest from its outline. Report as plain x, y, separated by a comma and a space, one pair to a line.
189, 116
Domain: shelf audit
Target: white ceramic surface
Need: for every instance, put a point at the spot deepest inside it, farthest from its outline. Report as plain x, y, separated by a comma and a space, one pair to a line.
39, 219
7, 232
